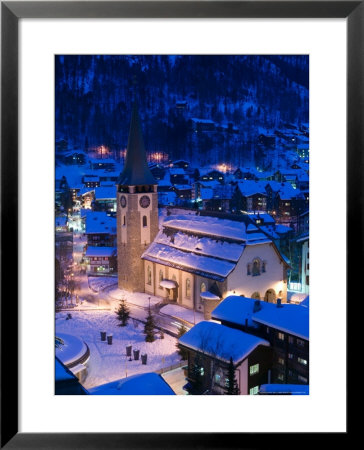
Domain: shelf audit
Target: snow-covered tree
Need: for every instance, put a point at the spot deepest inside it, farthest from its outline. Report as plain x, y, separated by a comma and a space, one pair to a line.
123, 313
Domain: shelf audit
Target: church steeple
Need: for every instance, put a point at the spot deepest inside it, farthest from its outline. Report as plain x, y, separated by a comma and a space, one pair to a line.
136, 171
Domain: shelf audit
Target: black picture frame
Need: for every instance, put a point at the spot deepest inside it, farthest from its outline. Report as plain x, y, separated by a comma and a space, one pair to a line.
11, 12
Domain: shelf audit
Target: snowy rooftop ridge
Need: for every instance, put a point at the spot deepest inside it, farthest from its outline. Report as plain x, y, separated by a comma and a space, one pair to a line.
208, 226
202, 245
291, 319
220, 341
173, 257
143, 384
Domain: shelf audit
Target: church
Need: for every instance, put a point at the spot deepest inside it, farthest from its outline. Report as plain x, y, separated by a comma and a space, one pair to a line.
194, 261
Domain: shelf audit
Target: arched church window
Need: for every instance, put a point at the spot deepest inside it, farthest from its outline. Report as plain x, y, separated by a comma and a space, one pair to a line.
145, 221
160, 275
256, 267
203, 287
188, 288
149, 275
124, 221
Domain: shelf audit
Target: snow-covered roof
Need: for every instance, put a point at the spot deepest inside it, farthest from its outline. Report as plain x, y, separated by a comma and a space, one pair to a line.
207, 225
73, 349
91, 179
144, 384
207, 295
292, 319
189, 262
235, 309
168, 284
267, 218
61, 221
222, 342
100, 222
105, 193
100, 251
251, 187
293, 389
202, 245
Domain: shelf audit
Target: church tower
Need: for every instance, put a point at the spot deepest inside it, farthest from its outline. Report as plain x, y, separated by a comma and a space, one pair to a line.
137, 210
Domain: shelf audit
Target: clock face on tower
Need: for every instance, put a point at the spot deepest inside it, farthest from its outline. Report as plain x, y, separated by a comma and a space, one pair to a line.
123, 201
144, 201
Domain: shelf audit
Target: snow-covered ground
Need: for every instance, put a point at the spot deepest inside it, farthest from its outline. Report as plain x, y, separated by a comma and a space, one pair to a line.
109, 362
136, 298
182, 313
99, 283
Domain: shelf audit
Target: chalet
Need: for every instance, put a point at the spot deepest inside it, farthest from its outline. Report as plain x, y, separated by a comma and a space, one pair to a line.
196, 261
211, 175
158, 171
180, 164
178, 176
100, 229
101, 259
221, 198
77, 158
250, 196
245, 174
105, 199
183, 192
198, 125
91, 181
210, 347
284, 326
102, 164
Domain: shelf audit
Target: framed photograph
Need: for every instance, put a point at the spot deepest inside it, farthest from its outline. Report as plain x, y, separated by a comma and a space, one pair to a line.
210, 72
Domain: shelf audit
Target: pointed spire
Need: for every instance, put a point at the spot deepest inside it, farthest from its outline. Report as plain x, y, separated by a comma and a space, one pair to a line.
136, 171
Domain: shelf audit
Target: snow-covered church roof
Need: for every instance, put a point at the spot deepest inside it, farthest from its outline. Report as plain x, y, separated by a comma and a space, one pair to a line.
204, 245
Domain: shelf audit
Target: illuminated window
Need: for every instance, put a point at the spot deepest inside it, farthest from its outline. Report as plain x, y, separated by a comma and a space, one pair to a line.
290, 356
281, 361
254, 369
203, 287
254, 390
302, 361
280, 336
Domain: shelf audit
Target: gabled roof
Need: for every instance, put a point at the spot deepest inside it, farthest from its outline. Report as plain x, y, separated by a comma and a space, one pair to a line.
142, 384
291, 319
221, 342
136, 171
